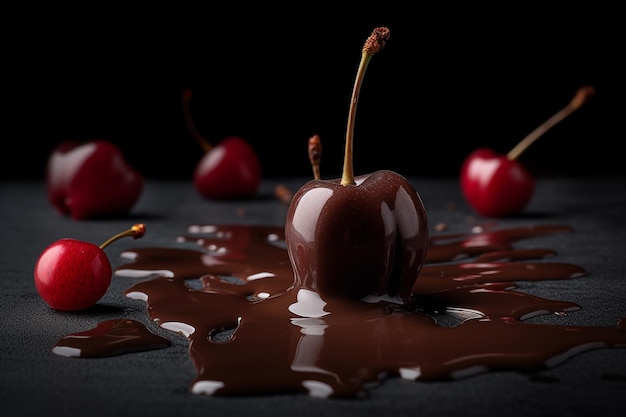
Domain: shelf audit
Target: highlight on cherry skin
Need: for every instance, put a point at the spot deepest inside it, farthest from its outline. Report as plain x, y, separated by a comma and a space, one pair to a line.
72, 275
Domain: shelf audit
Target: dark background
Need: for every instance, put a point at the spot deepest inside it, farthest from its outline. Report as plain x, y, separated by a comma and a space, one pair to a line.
450, 79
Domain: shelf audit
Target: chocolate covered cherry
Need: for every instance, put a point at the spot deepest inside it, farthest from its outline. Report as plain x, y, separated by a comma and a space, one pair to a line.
358, 237
357, 240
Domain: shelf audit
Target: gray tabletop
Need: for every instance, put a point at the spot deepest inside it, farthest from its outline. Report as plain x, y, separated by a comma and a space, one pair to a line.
34, 381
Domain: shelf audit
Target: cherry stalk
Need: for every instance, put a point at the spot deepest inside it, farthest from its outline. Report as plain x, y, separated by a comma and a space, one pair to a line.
136, 231
192, 128
372, 46
315, 155
582, 96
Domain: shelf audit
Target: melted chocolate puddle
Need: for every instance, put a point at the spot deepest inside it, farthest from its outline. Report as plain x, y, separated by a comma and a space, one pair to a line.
252, 332
110, 338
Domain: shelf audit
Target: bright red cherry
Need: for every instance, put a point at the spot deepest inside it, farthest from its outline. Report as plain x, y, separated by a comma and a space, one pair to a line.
229, 170
494, 185
497, 185
91, 180
73, 275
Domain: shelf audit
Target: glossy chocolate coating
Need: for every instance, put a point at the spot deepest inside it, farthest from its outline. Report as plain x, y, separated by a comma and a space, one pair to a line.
368, 239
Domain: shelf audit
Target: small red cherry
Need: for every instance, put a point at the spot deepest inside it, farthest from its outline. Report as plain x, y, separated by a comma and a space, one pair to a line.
497, 185
73, 275
229, 170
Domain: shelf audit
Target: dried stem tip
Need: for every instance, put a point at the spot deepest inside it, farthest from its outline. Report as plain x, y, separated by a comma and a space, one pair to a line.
582, 95
315, 154
376, 41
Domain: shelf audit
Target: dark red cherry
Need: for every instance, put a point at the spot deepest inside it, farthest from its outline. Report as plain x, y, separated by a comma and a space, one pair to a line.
91, 179
229, 170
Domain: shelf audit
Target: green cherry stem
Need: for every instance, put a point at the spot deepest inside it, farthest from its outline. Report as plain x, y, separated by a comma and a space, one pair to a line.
137, 231
191, 125
581, 97
372, 46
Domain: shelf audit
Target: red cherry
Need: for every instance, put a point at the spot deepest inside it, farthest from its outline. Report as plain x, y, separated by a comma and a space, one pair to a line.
494, 185
229, 170
73, 275
497, 185
91, 180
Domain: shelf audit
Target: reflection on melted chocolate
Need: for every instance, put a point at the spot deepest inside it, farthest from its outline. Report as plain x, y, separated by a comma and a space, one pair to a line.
110, 338
252, 331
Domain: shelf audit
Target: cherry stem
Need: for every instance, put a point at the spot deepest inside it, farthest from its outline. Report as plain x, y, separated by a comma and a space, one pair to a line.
315, 154
283, 193
137, 231
191, 125
372, 46
581, 97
